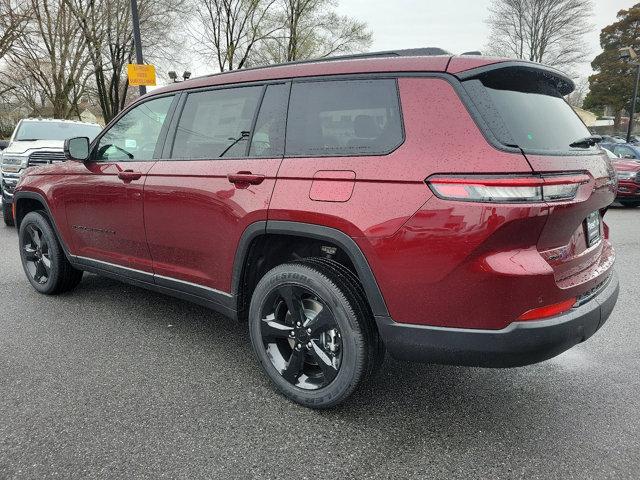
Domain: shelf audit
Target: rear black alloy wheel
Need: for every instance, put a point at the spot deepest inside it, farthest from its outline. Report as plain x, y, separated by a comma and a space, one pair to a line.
301, 337
36, 253
312, 333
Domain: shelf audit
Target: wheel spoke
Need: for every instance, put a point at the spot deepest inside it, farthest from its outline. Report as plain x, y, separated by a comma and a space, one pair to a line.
272, 329
321, 322
294, 366
40, 271
35, 236
46, 263
324, 361
29, 253
293, 301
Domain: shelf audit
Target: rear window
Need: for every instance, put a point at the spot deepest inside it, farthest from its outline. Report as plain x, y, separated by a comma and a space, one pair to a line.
525, 108
344, 117
216, 123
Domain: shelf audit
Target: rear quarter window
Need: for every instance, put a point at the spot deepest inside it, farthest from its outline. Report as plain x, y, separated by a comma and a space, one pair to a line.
343, 118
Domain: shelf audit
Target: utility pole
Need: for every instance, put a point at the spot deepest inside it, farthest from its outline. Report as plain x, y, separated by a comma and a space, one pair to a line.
136, 38
633, 103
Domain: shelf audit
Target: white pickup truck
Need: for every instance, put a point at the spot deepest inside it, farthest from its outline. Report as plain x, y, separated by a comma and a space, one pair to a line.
36, 141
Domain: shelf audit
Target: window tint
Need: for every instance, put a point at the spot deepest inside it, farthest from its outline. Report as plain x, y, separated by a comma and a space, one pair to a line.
624, 152
268, 136
216, 123
525, 109
135, 135
344, 117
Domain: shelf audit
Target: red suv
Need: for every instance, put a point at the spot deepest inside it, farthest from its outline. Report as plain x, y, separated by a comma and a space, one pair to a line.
445, 209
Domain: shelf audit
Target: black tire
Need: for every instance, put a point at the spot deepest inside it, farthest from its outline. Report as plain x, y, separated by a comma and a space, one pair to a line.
43, 258
7, 215
312, 284
630, 204
333, 269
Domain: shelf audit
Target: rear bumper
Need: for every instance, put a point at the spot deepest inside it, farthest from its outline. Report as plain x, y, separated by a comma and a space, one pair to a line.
521, 343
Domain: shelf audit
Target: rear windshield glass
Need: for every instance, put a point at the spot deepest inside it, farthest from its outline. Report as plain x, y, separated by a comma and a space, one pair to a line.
38, 130
525, 109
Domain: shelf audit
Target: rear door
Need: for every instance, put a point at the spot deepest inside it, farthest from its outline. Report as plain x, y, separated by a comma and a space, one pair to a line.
216, 178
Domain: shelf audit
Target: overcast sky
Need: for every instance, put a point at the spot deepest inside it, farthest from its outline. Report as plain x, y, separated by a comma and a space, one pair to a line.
455, 25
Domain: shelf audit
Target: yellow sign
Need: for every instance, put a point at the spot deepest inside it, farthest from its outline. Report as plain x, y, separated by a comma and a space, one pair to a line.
141, 75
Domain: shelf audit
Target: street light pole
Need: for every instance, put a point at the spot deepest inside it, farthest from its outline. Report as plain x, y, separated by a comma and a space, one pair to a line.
633, 102
136, 38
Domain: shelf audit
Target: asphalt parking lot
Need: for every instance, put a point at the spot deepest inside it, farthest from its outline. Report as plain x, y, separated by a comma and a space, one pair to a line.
112, 381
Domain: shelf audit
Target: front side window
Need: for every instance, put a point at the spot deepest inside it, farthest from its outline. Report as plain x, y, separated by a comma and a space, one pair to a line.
343, 117
216, 123
135, 135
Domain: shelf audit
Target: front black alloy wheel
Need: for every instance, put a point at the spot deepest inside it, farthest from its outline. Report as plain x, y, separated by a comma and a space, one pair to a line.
301, 337
43, 258
37, 257
312, 332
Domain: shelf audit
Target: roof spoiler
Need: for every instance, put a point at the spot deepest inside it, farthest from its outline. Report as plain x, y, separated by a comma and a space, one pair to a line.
564, 83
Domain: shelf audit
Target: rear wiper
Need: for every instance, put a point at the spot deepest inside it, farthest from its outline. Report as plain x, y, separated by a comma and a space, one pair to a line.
586, 142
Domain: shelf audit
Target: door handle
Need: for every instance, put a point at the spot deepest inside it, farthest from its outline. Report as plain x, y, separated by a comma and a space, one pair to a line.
245, 178
129, 175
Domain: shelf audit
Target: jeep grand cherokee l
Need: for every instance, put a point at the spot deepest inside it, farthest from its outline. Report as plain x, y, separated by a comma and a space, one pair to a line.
444, 209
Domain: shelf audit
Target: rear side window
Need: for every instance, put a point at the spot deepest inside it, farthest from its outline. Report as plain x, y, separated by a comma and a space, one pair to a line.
344, 117
524, 108
216, 123
268, 136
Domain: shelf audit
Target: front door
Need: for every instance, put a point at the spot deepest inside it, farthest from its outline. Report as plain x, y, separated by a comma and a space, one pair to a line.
217, 178
104, 196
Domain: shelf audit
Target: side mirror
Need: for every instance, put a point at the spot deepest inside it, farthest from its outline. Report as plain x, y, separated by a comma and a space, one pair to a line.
76, 149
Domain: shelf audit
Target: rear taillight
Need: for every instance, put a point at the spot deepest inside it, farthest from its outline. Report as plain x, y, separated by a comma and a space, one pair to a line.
506, 189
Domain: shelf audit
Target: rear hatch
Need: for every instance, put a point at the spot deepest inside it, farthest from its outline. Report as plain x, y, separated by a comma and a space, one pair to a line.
523, 108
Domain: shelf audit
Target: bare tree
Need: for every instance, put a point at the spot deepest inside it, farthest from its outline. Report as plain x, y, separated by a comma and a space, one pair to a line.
576, 98
229, 30
53, 53
106, 27
13, 20
312, 29
545, 31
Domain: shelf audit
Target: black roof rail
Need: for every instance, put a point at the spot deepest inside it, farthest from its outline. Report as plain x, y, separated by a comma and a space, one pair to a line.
407, 52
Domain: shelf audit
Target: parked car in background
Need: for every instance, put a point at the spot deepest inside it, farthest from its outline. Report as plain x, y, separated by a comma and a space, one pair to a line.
610, 154
341, 214
612, 139
623, 150
628, 172
36, 142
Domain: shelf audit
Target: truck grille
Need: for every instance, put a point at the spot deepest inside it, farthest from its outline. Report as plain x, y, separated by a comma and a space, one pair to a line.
45, 158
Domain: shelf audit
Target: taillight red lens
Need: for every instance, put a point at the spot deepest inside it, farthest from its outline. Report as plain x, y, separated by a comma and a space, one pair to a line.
548, 310
507, 189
